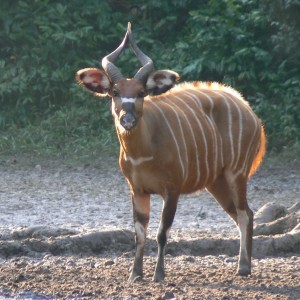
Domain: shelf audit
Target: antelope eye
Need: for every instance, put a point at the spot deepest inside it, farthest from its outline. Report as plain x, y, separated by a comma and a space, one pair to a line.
116, 93
141, 94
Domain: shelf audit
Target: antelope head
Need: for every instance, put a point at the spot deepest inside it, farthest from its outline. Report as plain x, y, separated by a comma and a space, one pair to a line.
127, 94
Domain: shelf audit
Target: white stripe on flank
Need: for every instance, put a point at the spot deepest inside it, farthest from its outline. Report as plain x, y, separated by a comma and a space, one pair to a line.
239, 141
137, 161
172, 133
243, 103
202, 133
236, 156
229, 114
128, 100
209, 118
219, 149
247, 157
257, 127
195, 143
238, 104
183, 138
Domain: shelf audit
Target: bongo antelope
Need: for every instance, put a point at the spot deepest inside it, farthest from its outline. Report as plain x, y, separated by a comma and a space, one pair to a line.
177, 139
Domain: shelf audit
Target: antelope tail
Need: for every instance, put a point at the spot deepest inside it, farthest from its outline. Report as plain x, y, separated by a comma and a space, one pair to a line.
260, 154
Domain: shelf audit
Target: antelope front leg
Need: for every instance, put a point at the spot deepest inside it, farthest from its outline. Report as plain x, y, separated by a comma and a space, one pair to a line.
167, 217
141, 209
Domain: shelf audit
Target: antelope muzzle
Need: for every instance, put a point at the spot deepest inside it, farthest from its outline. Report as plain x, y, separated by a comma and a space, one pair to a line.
128, 118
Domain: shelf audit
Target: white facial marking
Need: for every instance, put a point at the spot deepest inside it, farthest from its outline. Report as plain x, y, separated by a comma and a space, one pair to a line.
128, 100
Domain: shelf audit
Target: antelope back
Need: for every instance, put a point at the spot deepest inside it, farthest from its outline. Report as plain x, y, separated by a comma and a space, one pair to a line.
205, 129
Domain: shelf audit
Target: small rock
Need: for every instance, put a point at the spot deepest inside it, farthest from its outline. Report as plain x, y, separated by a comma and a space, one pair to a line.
269, 212
212, 274
168, 295
109, 263
57, 174
20, 278
190, 259
230, 260
171, 284
38, 168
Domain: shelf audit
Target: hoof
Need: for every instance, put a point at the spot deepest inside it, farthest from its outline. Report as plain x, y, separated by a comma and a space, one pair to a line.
244, 271
135, 277
158, 277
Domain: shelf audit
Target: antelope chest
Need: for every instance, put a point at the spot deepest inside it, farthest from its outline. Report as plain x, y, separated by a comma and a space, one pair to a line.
142, 175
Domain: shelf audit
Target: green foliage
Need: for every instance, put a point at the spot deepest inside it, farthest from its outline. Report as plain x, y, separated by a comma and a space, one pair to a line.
252, 45
42, 47
68, 132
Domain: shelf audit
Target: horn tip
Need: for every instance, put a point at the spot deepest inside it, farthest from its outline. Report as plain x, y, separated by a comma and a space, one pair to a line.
129, 28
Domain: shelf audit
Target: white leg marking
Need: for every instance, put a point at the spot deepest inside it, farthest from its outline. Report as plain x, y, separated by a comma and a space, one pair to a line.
243, 220
140, 232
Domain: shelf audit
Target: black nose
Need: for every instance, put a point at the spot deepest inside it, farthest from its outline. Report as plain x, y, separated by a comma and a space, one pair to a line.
128, 106
128, 121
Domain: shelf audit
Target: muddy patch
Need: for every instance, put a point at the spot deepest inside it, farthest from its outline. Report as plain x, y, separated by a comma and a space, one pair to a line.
67, 233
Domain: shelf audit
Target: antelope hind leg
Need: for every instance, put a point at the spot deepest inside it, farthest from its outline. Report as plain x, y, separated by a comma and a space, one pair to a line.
244, 221
232, 197
245, 224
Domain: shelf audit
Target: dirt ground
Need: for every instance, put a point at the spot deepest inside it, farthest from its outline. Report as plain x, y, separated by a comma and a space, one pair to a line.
66, 233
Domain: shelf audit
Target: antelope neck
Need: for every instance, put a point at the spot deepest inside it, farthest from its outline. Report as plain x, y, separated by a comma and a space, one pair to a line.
136, 144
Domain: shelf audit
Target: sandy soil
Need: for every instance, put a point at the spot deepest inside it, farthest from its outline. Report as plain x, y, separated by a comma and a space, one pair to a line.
66, 233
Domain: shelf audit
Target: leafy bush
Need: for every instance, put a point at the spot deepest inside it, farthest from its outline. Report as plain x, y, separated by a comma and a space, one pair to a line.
244, 44
69, 132
252, 45
44, 44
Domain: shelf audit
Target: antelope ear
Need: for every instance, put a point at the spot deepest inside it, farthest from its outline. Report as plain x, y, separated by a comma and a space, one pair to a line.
94, 80
161, 81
